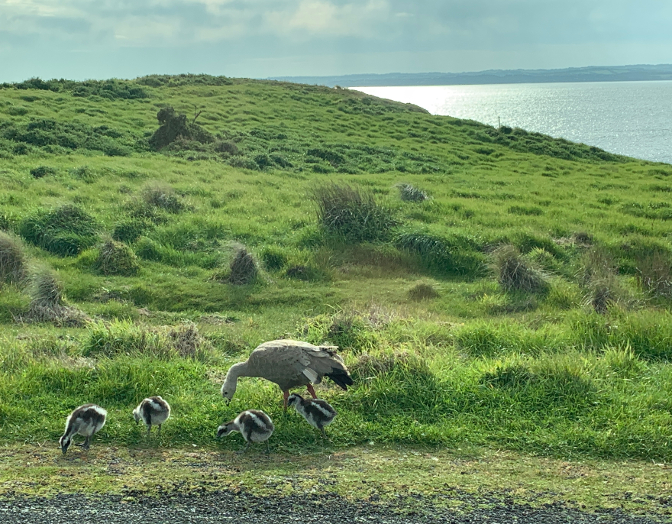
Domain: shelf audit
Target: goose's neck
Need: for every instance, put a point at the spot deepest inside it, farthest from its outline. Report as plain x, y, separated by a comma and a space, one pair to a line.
237, 370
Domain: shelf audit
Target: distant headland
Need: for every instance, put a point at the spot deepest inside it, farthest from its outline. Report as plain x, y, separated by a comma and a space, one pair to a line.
494, 76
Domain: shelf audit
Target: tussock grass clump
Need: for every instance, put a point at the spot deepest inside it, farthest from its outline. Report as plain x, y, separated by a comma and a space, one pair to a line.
515, 273
348, 330
187, 341
654, 274
369, 365
116, 258
12, 260
454, 255
125, 338
410, 193
422, 291
598, 278
352, 213
164, 197
130, 230
243, 268
65, 231
47, 303
274, 258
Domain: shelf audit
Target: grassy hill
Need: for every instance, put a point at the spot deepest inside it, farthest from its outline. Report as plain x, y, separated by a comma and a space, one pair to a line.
487, 287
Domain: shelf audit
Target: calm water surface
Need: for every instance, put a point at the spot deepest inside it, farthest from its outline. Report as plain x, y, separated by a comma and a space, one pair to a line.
628, 118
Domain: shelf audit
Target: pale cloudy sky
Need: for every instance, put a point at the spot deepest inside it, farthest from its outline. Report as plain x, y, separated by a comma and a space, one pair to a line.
81, 39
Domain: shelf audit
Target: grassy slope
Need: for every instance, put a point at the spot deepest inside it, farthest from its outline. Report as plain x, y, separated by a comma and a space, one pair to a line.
536, 373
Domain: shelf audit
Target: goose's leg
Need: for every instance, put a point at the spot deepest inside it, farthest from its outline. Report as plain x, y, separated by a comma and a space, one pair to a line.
86, 443
311, 390
149, 429
268, 448
159, 432
285, 394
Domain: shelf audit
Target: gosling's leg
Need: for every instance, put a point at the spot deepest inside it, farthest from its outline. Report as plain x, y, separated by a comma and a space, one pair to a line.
149, 429
285, 394
268, 448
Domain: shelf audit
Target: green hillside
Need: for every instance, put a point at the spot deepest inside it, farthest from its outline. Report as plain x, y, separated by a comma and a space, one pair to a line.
487, 287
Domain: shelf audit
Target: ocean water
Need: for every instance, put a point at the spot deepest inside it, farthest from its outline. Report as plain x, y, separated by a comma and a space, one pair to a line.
627, 118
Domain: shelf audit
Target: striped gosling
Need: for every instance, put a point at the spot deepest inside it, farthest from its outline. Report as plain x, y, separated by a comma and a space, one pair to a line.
152, 411
86, 420
253, 425
317, 412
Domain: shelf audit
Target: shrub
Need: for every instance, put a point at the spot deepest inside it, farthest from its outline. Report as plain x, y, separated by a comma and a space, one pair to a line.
65, 231
174, 126
514, 273
116, 258
42, 171
351, 213
243, 268
164, 197
230, 148
12, 259
409, 193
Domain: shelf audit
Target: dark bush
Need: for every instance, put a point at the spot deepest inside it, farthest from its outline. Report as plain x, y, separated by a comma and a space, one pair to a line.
229, 148
352, 214
65, 231
41, 171
243, 268
174, 126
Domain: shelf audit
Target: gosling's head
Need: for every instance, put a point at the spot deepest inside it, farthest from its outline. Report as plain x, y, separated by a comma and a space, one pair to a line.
294, 400
225, 429
64, 442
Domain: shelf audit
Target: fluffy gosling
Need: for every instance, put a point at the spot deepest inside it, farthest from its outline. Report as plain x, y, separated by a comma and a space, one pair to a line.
317, 412
152, 411
254, 425
85, 420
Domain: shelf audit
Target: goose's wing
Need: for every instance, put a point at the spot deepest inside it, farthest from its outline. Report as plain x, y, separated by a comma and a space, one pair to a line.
285, 359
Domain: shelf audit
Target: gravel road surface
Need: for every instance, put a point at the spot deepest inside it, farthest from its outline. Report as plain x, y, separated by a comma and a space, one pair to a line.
175, 508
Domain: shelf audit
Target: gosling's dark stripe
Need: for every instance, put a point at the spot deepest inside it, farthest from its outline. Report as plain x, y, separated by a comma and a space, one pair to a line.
147, 412
86, 415
341, 378
320, 411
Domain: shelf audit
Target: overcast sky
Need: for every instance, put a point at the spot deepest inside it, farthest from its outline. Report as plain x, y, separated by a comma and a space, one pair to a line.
80, 39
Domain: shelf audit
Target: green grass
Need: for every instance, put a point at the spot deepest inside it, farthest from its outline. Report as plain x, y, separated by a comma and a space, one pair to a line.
443, 354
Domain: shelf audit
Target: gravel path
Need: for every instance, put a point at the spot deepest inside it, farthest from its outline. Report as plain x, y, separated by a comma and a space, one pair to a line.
175, 508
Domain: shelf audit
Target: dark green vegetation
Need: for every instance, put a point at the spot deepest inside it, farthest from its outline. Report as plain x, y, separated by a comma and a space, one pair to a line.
486, 286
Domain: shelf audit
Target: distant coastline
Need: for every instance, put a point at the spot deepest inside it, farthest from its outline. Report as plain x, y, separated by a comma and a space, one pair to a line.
494, 76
